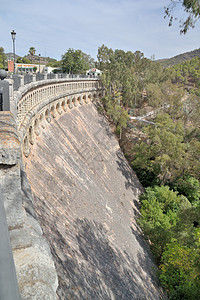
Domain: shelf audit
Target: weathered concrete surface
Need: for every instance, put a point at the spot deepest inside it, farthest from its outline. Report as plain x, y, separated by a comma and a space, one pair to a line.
10, 154
86, 198
35, 268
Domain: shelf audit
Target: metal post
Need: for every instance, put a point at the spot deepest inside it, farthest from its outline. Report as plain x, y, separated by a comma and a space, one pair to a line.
8, 280
14, 54
39, 63
1, 99
13, 34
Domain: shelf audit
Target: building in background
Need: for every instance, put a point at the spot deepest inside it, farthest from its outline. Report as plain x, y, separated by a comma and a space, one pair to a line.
51, 70
25, 68
94, 71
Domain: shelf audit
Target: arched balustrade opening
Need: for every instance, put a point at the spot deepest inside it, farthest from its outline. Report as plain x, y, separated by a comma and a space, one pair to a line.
48, 100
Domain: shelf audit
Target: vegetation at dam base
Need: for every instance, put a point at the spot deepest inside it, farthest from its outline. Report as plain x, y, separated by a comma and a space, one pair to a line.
165, 155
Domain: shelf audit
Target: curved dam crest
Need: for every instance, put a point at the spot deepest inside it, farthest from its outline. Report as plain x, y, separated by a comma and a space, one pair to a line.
86, 197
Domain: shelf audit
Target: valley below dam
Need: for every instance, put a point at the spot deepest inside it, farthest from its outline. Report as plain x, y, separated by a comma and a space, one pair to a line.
86, 199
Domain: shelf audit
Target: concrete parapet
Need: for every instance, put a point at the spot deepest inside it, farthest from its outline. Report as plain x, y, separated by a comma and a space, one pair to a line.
36, 273
4, 95
10, 154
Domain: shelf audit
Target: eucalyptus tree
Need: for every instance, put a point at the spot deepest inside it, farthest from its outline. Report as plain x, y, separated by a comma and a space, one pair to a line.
192, 10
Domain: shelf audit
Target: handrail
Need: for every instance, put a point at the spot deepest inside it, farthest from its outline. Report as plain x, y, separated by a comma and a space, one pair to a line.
28, 78
8, 280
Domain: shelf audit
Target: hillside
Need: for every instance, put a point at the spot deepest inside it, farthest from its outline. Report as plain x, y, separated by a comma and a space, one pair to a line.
166, 62
9, 56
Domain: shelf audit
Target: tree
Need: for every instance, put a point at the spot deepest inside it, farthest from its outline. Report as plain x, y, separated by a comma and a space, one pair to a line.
188, 186
163, 152
159, 208
75, 61
104, 57
32, 52
171, 224
180, 270
23, 60
2, 58
190, 7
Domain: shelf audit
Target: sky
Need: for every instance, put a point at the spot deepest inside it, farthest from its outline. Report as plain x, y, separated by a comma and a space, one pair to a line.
54, 26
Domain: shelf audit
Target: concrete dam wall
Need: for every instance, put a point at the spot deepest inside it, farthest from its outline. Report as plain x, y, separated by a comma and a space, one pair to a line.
86, 198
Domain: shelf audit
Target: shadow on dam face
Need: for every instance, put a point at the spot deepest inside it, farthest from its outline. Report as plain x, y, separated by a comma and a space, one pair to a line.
86, 199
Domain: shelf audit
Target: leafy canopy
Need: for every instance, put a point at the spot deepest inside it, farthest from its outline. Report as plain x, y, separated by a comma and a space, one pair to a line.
75, 61
192, 10
3, 63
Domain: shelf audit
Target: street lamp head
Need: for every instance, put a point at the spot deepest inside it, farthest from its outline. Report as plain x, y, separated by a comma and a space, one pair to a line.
13, 34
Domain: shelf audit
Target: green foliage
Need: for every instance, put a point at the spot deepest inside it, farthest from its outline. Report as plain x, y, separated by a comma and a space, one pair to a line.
178, 59
117, 114
163, 152
76, 62
54, 63
23, 60
104, 56
188, 186
167, 152
192, 9
127, 73
159, 216
3, 63
32, 52
171, 224
179, 270
187, 72
146, 176
34, 69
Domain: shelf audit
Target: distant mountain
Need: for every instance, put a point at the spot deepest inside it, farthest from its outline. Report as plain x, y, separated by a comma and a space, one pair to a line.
10, 56
167, 62
35, 59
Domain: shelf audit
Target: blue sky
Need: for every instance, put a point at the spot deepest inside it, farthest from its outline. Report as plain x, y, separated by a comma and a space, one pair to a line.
53, 26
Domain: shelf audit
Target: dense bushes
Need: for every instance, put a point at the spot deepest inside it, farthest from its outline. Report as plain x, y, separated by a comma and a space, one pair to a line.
170, 222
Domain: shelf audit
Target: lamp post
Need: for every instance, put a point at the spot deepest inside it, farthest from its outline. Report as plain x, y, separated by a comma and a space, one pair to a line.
39, 62
13, 34
21, 65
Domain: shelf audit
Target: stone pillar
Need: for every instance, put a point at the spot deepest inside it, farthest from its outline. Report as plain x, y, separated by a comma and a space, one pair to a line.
59, 110
70, 103
31, 135
81, 101
42, 120
53, 112
21, 80
64, 106
4, 89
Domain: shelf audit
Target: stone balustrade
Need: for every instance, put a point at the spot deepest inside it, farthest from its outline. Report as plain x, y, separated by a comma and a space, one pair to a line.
37, 103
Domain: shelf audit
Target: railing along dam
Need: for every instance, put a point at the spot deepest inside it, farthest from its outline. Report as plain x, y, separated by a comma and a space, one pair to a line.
40, 102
